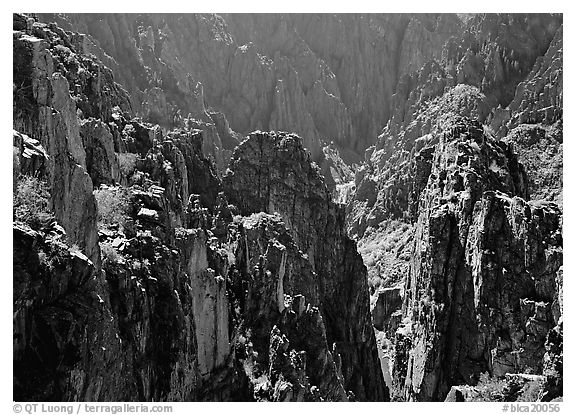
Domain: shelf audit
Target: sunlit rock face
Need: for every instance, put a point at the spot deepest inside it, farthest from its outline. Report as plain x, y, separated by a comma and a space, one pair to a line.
422, 203
273, 173
287, 207
483, 278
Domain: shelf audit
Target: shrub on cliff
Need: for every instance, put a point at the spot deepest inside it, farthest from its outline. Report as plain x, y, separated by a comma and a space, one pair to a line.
31, 202
490, 389
127, 162
113, 206
110, 256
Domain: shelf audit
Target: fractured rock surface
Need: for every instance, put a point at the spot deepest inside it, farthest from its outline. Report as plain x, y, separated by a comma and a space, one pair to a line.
397, 235
272, 173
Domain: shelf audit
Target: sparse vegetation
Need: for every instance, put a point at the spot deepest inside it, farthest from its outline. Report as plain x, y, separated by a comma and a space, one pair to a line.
127, 162
113, 206
530, 392
385, 252
494, 389
490, 389
109, 255
31, 202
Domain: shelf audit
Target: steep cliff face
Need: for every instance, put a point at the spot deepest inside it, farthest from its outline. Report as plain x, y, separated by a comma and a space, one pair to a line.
417, 190
388, 185
533, 123
358, 50
133, 280
160, 255
478, 72
273, 173
66, 345
44, 110
114, 310
324, 77
538, 98
282, 338
483, 276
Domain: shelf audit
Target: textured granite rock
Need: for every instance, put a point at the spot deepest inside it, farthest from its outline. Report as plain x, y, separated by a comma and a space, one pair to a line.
389, 300
533, 122
101, 161
273, 173
538, 98
487, 67
514, 387
478, 71
45, 111
182, 301
65, 337
31, 157
483, 276
242, 284
284, 345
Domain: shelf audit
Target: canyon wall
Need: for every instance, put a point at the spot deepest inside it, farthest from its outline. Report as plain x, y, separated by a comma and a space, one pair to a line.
135, 278
462, 193
287, 207
328, 78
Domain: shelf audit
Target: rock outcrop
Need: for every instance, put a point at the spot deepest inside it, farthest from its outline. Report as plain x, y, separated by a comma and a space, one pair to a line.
115, 310
137, 280
388, 302
483, 277
283, 340
273, 173
166, 251
465, 81
538, 98
533, 123
101, 161
514, 387
45, 111
65, 338
486, 69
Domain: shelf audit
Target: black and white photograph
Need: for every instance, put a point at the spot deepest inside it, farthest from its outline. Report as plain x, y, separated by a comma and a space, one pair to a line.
286, 207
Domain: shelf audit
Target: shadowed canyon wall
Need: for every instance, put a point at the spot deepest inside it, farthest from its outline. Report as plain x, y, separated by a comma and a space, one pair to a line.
287, 207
